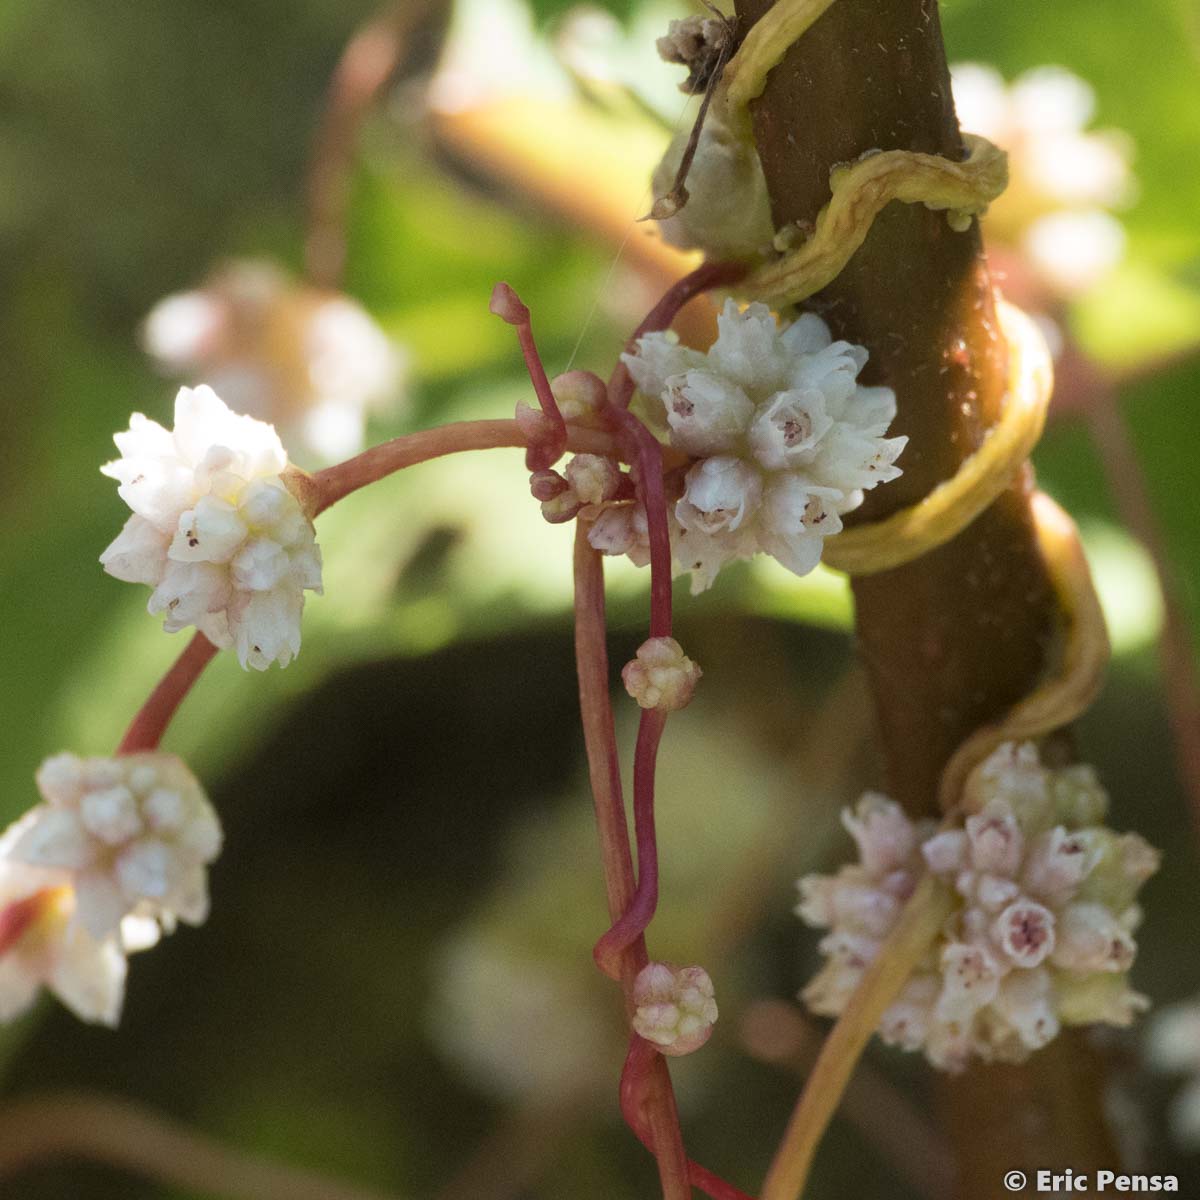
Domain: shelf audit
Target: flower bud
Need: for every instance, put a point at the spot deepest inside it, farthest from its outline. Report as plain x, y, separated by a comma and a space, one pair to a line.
661, 676
580, 394
675, 1007
593, 477
506, 304
547, 485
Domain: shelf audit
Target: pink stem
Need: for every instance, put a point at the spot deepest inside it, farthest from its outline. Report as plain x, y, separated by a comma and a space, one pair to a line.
646, 449
151, 722
600, 739
636, 1079
336, 482
591, 657
633, 921
702, 279
507, 305
367, 63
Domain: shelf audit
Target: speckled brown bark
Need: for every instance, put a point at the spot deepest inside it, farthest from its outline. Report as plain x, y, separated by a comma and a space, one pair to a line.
952, 640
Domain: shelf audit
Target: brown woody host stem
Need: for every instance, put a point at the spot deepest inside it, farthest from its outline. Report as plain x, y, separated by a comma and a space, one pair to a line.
953, 639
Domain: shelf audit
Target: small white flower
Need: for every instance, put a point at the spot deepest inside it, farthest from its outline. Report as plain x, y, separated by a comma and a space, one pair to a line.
995, 840
311, 362
1091, 938
705, 412
1025, 932
719, 495
215, 531
593, 478
1042, 934
970, 980
43, 945
786, 439
621, 528
675, 1007
885, 837
131, 836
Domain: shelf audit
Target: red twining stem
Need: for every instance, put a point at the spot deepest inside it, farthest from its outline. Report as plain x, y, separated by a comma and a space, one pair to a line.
635, 1079
645, 449
702, 279
148, 727
633, 921
507, 305
605, 772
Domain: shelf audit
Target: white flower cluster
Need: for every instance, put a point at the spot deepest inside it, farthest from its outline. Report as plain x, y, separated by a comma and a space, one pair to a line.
1062, 177
1042, 934
117, 852
215, 531
311, 362
786, 439
675, 1007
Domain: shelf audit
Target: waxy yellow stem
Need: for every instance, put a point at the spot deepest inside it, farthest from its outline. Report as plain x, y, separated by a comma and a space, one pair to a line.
1076, 681
919, 923
951, 507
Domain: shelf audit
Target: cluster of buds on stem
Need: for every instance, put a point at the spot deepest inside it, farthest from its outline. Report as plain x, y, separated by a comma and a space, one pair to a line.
675, 1007
661, 677
1043, 931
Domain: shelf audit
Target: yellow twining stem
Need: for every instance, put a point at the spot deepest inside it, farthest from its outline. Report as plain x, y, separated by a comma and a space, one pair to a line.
860, 191
1075, 681
910, 939
954, 504
745, 74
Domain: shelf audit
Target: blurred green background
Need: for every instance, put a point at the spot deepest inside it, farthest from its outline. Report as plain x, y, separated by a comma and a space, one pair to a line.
406, 814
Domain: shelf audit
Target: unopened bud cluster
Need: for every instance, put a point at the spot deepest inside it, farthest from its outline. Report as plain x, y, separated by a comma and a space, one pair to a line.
675, 1007
661, 676
588, 480
1043, 931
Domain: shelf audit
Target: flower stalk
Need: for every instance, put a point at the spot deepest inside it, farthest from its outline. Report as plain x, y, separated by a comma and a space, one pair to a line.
335, 483
147, 728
